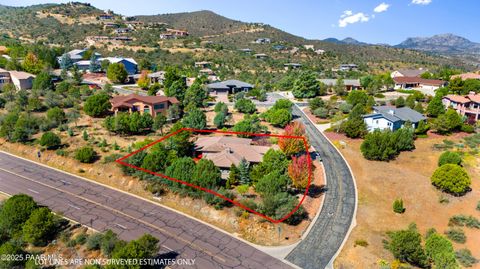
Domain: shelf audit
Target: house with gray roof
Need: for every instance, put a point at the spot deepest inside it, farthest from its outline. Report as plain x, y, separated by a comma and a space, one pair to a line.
230, 86
350, 84
392, 118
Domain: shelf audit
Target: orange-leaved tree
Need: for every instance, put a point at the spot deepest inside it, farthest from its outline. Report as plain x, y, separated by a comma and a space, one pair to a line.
292, 146
298, 171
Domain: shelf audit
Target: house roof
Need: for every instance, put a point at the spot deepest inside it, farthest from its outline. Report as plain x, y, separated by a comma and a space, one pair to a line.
227, 84
118, 59
418, 80
457, 98
411, 72
224, 151
466, 76
347, 82
21, 75
394, 114
122, 100
83, 62
474, 97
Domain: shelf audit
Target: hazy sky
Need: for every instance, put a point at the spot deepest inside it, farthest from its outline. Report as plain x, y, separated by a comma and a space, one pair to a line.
375, 21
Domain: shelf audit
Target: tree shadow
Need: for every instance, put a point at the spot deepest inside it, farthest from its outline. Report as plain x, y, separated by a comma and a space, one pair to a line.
165, 256
316, 191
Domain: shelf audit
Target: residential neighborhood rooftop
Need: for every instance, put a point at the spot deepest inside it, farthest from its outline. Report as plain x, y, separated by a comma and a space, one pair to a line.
395, 114
418, 80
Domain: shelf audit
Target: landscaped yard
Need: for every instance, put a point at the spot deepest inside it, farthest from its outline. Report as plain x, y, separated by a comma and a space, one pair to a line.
408, 178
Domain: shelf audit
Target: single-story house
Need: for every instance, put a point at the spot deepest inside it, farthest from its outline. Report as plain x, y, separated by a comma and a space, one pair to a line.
224, 151
468, 106
152, 105
348, 67
229, 86
83, 65
408, 73
392, 118
418, 82
309, 47
466, 76
77, 55
260, 56
263, 41
130, 64
203, 64
350, 84
177, 33
288, 66
21, 80
156, 77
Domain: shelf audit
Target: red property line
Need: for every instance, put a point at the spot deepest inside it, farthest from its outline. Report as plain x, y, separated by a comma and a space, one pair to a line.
309, 161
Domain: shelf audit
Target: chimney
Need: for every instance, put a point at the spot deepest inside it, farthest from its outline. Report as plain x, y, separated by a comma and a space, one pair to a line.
391, 111
229, 150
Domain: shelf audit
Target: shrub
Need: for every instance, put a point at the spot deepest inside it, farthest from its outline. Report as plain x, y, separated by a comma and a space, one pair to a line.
398, 206
465, 258
50, 140
463, 220
97, 105
360, 242
456, 235
451, 178
85, 155
321, 112
354, 128
278, 117
449, 157
478, 206
440, 251
467, 128
406, 246
93, 241
111, 158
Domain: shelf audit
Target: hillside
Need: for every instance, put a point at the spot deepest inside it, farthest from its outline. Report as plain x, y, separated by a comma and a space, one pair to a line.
212, 37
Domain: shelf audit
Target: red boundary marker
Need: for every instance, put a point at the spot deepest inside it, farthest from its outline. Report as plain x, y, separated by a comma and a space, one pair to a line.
121, 161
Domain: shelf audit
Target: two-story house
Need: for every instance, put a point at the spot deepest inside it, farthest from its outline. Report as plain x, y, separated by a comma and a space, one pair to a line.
468, 106
152, 105
392, 118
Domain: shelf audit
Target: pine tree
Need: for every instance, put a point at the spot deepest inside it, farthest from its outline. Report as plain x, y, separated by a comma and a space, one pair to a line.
244, 172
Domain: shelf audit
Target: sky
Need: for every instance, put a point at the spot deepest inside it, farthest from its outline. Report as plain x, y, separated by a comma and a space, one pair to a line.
372, 21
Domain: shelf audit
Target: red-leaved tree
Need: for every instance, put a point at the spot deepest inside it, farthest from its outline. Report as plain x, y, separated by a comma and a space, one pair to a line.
292, 146
298, 171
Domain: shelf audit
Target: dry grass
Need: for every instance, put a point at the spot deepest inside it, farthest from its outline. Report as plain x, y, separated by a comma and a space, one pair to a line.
408, 177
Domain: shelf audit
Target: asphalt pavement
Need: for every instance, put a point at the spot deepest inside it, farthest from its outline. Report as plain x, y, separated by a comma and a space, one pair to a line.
325, 239
103, 208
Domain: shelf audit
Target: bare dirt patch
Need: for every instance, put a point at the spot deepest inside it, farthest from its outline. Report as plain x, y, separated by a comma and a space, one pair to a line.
407, 177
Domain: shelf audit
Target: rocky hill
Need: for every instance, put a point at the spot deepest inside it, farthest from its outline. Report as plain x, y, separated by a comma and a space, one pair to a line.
445, 43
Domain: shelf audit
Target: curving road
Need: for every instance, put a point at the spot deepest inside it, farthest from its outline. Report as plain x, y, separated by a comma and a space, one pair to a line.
320, 246
103, 208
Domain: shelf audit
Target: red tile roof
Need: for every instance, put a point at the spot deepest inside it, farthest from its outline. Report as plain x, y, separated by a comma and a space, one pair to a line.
415, 80
466, 76
457, 98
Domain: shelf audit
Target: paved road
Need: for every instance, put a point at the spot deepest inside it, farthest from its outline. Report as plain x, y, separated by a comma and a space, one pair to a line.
103, 208
331, 228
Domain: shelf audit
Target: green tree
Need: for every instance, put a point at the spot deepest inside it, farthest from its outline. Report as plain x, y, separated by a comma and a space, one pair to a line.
451, 178
206, 174
406, 246
176, 89
400, 102
249, 124
94, 67
316, 103
449, 157
354, 128
398, 206
40, 228
56, 115
182, 169
66, 62
447, 122
117, 73
220, 120
339, 87
159, 122
50, 140
233, 177
379, 146
43, 82
142, 248
244, 172
97, 105
306, 85
435, 107
272, 183
157, 159
85, 155
14, 212
273, 160
11, 249
195, 94
245, 106
195, 119
356, 97
278, 117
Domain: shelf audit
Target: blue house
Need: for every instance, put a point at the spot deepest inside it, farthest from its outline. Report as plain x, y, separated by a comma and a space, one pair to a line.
130, 64
392, 118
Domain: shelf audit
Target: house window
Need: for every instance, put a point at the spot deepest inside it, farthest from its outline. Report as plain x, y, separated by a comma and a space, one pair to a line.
159, 106
376, 121
389, 124
146, 109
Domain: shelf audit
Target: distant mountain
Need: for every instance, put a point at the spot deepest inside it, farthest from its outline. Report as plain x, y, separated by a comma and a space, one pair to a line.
442, 44
348, 41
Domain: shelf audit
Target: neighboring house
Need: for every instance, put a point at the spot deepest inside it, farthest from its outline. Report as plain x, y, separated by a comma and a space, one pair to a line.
348, 67
83, 65
278, 47
260, 56
167, 36
177, 33
106, 16
392, 118
408, 73
203, 64
152, 105
21, 80
224, 151
247, 51
466, 76
263, 41
77, 55
122, 30
320, 52
418, 82
229, 86
130, 64
468, 106
309, 47
4, 77
350, 84
288, 66
156, 77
